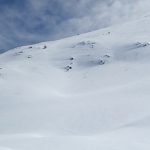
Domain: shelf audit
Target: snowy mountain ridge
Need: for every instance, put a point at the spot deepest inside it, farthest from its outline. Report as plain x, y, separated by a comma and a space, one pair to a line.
81, 92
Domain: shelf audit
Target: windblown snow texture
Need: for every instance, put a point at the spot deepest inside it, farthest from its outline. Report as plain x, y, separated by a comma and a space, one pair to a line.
89, 91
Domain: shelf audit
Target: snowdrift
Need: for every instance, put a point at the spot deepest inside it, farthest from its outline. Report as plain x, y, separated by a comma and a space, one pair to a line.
88, 91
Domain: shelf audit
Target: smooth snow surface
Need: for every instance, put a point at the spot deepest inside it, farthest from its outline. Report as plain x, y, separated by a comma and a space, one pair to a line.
87, 92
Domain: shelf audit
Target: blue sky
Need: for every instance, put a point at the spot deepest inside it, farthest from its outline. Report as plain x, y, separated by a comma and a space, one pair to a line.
24, 22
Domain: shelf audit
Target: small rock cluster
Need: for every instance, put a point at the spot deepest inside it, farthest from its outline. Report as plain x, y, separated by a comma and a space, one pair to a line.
87, 62
90, 44
139, 44
69, 67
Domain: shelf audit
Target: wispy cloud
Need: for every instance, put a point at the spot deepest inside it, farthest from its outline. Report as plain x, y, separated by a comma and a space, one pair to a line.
31, 21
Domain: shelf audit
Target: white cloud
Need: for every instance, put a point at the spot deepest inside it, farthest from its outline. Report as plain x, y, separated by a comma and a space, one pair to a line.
51, 19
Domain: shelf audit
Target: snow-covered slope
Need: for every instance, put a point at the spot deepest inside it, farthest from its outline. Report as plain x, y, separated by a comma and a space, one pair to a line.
90, 91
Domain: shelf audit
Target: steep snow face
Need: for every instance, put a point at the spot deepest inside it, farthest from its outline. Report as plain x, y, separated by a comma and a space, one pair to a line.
89, 91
